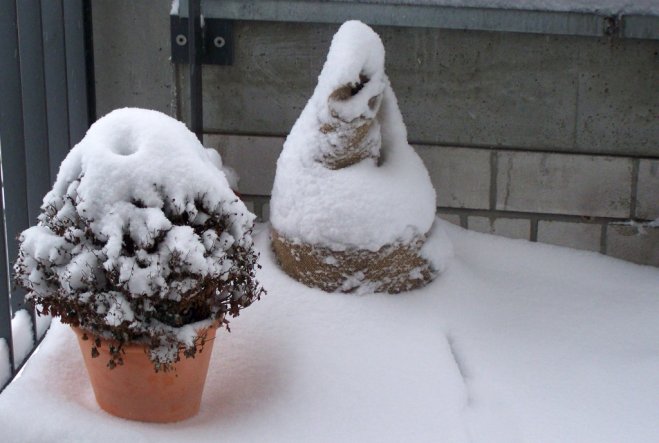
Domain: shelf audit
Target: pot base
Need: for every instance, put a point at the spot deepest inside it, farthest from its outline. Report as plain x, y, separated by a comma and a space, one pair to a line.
136, 392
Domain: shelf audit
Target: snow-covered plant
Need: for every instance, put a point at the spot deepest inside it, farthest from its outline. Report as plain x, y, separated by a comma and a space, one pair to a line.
347, 178
141, 240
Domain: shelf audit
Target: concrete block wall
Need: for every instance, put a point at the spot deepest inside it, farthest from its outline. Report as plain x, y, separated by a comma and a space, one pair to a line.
546, 138
132, 55
589, 202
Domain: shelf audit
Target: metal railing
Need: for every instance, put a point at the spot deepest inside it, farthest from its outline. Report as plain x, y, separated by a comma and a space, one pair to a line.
46, 106
622, 19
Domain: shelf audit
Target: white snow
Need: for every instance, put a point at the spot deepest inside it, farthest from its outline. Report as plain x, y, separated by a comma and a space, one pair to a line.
122, 159
23, 342
5, 364
366, 205
43, 322
517, 342
22, 336
641, 227
133, 171
438, 248
230, 173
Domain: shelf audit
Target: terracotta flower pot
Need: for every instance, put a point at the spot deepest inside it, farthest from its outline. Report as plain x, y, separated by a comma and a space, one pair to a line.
136, 392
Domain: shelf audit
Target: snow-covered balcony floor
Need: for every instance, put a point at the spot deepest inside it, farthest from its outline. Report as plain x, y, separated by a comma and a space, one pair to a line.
515, 342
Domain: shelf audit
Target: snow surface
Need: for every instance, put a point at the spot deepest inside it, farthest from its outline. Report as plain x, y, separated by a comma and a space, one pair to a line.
516, 342
369, 204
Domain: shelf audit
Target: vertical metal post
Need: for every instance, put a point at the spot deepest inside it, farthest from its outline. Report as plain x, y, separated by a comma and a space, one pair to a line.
57, 100
13, 142
5, 307
44, 104
195, 43
30, 50
89, 61
76, 70
34, 103
11, 139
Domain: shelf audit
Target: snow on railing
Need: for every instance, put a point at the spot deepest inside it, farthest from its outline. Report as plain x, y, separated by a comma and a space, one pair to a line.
621, 18
23, 336
23, 343
5, 363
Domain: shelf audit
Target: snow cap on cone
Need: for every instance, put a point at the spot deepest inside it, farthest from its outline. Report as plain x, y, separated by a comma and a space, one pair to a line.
351, 86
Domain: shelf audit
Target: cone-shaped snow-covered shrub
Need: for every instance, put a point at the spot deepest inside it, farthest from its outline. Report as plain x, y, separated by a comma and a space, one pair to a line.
352, 205
141, 240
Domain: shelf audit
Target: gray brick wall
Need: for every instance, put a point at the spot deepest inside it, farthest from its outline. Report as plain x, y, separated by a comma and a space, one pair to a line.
633, 244
573, 200
131, 55
254, 158
507, 227
451, 218
647, 191
587, 236
563, 184
455, 88
460, 176
546, 138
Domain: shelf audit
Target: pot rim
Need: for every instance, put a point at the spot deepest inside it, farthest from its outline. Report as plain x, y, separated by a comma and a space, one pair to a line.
141, 347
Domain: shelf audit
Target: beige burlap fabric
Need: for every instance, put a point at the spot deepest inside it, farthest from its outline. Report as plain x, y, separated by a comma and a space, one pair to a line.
349, 142
393, 268
353, 146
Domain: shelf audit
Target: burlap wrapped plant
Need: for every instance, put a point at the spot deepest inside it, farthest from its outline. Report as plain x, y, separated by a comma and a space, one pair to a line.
352, 204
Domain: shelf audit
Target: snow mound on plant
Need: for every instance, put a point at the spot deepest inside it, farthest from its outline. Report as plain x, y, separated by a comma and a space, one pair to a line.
128, 156
140, 217
373, 202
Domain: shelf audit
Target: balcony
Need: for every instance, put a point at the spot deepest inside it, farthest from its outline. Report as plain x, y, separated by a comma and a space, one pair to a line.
538, 127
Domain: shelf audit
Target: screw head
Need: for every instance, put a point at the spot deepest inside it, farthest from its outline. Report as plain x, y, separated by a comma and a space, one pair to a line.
181, 40
219, 42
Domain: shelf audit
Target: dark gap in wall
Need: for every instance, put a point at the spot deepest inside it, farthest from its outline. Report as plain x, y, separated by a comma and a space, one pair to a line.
464, 221
527, 149
634, 190
534, 229
603, 244
494, 170
575, 128
531, 215
259, 201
